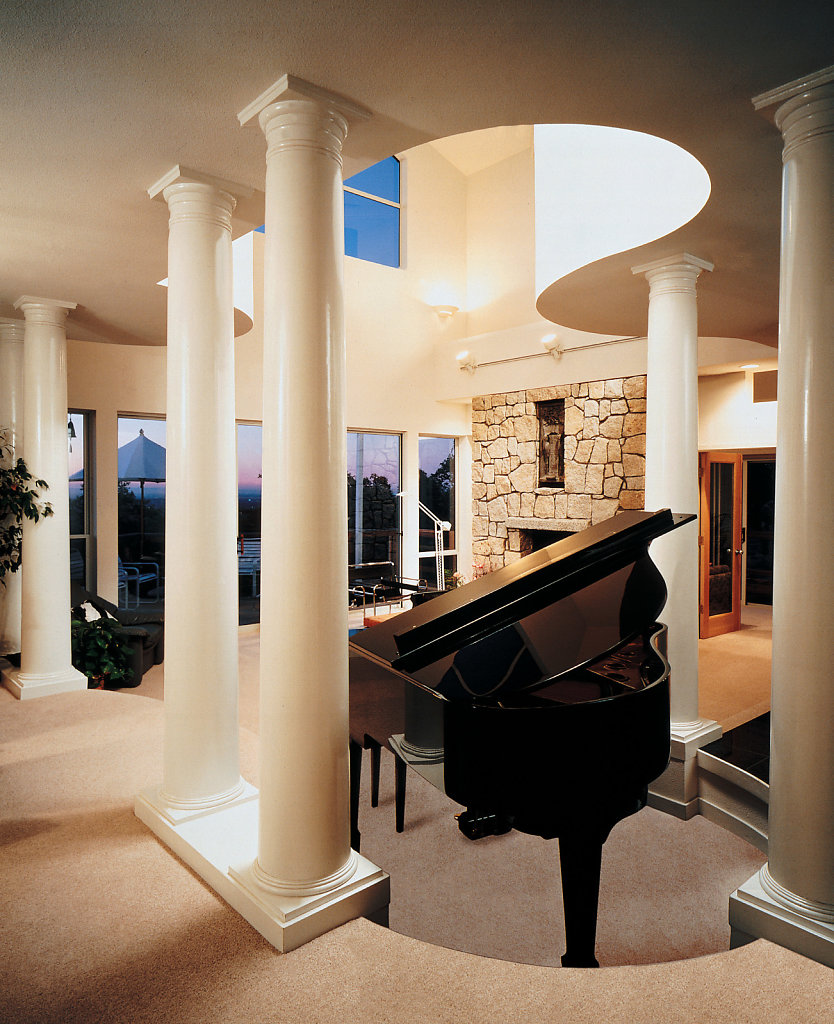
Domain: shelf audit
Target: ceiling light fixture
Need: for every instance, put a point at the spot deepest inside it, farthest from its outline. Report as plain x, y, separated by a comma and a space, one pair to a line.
446, 312
750, 366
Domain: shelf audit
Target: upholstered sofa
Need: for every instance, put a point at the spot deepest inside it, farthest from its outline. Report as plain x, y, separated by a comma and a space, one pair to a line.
144, 632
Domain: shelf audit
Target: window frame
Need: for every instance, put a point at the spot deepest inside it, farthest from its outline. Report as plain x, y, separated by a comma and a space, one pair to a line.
397, 205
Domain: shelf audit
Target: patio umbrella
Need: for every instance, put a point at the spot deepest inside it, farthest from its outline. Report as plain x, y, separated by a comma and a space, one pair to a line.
142, 461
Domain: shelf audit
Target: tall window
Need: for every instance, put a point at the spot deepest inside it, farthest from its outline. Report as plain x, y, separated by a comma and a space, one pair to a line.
372, 214
81, 505
437, 493
142, 489
373, 482
249, 462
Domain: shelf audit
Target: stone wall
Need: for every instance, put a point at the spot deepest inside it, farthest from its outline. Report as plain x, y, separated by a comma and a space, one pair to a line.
605, 449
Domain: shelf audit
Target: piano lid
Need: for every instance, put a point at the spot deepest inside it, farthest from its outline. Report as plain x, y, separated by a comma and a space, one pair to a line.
453, 620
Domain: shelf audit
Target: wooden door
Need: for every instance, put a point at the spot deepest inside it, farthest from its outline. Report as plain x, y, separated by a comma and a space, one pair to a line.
720, 542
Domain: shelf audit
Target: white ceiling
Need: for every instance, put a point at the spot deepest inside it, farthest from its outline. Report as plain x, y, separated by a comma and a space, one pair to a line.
100, 99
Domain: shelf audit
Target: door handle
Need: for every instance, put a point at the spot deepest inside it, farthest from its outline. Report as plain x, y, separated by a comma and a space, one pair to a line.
740, 551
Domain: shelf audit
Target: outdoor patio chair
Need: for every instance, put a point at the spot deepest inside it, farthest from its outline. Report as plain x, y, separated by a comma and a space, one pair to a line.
137, 573
249, 560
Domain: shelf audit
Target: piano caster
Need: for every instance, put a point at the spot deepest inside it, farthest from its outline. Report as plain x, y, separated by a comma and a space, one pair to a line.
476, 826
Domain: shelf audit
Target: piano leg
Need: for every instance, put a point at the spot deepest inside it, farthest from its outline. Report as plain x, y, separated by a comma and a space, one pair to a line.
375, 749
580, 857
355, 780
399, 791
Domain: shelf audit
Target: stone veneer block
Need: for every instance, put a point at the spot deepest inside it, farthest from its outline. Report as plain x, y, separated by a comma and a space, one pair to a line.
634, 387
593, 479
634, 465
524, 478
579, 506
612, 427
635, 423
632, 499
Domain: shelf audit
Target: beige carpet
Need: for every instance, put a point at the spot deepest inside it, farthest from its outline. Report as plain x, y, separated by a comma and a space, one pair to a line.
102, 924
734, 670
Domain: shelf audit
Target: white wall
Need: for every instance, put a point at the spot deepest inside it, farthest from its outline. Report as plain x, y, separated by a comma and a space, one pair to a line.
728, 417
500, 250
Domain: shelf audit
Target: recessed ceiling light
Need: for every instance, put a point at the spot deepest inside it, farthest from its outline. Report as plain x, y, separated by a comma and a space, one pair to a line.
750, 366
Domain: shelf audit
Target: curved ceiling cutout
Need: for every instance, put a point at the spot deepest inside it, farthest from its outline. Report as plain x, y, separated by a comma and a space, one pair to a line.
601, 191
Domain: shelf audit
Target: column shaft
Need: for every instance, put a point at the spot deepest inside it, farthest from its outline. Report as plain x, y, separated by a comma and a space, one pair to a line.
801, 852
672, 461
791, 900
46, 656
201, 754
304, 837
11, 419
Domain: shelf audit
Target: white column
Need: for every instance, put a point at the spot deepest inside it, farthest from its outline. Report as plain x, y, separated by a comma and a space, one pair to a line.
304, 849
203, 811
283, 861
672, 482
201, 752
11, 420
46, 656
791, 901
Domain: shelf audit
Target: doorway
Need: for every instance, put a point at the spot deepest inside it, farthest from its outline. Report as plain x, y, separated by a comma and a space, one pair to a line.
720, 542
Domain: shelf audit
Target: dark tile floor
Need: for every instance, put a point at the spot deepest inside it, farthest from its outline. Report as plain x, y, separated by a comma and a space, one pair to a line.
747, 747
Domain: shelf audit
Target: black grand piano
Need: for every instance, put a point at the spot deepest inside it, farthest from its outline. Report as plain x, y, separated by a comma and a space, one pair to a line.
536, 697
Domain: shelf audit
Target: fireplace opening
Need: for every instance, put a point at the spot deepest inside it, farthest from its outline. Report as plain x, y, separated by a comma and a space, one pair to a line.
535, 540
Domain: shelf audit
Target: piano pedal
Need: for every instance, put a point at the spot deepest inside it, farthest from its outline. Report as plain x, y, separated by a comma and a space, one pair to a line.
477, 826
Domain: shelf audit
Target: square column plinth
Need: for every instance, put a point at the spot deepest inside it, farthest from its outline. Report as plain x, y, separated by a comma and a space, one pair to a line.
46, 684
221, 844
755, 914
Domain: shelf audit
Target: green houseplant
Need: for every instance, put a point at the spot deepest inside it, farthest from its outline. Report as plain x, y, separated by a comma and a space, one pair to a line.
100, 652
19, 500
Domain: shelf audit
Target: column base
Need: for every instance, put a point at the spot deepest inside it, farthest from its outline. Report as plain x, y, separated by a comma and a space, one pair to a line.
754, 912
221, 845
26, 685
676, 791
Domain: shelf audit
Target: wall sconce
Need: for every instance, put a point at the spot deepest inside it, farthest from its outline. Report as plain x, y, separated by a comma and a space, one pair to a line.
466, 362
553, 346
446, 312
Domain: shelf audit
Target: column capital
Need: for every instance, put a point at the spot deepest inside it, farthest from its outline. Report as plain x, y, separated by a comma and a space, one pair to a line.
801, 109
289, 88
673, 273
179, 175
38, 310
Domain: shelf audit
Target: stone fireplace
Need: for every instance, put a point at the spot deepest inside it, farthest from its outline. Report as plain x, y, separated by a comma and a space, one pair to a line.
530, 486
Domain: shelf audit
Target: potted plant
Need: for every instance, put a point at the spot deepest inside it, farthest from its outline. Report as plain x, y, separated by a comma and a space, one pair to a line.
100, 652
19, 500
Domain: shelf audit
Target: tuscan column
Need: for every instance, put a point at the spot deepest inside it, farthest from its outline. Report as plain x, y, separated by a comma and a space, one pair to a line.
11, 419
46, 656
304, 857
672, 482
791, 900
201, 752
